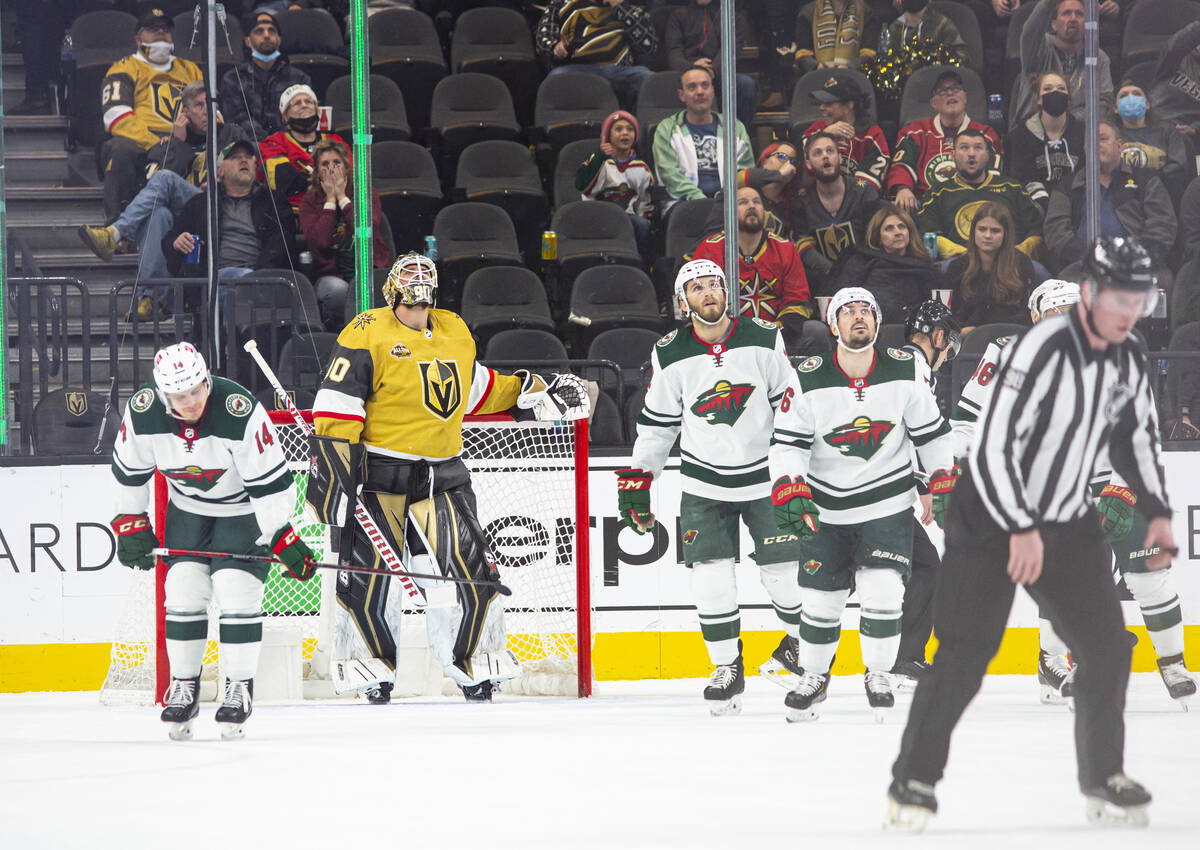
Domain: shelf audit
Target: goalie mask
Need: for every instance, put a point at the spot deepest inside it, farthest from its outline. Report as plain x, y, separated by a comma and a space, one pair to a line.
178, 370
842, 299
693, 270
1052, 294
411, 281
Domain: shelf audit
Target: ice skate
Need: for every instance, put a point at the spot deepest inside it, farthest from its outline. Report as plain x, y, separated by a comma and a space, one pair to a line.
379, 694
1056, 674
1119, 801
910, 805
783, 667
478, 693
180, 707
724, 689
906, 674
808, 693
1180, 685
232, 714
878, 686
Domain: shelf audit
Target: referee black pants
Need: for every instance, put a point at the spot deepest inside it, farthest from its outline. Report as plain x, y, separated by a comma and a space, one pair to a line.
917, 623
971, 603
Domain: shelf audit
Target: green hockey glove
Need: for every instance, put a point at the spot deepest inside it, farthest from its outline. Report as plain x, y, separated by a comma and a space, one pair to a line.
294, 553
941, 484
1116, 509
135, 539
633, 499
795, 510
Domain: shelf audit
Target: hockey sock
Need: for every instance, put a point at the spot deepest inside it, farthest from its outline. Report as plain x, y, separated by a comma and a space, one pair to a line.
820, 627
1155, 595
714, 588
241, 641
1050, 642
186, 633
881, 595
781, 586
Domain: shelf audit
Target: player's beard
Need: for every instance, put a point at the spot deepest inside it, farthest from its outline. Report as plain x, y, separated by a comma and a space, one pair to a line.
710, 313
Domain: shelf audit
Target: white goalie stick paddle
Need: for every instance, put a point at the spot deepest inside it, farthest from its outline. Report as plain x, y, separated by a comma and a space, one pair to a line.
390, 559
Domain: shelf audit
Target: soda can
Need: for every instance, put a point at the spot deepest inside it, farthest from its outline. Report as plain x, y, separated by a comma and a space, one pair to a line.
306, 258
931, 244
193, 256
549, 245
431, 247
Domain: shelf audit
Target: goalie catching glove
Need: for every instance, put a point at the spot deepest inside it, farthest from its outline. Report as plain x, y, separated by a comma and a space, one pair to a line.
135, 540
633, 499
563, 396
1116, 508
941, 485
795, 510
294, 553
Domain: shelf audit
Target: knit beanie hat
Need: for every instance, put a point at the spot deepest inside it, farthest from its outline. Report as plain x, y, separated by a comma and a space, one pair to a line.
619, 115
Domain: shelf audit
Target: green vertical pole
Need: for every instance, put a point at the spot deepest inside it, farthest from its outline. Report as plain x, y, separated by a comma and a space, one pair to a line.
5, 448
360, 105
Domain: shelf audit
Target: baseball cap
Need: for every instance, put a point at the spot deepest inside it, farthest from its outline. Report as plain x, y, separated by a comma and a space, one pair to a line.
242, 144
943, 77
152, 15
256, 17
836, 91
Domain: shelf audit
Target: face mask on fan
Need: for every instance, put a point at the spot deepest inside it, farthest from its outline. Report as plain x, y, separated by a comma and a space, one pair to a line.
159, 52
1054, 103
264, 57
1132, 107
303, 125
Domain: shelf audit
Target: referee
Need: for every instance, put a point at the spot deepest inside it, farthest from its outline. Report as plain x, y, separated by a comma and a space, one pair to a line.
1066, 389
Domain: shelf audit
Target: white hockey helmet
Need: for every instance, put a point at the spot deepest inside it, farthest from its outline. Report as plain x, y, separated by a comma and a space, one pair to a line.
177, 369
851, 295
412, 280
1052, 294
690, 271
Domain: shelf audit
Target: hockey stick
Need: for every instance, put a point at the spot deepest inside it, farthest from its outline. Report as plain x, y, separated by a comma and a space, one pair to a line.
324, 565
394, 564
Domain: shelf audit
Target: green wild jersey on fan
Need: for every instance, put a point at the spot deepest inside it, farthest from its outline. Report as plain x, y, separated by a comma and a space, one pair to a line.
852, 439
720, 400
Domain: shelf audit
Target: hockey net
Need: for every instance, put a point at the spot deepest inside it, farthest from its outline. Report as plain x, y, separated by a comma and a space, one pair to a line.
530, 482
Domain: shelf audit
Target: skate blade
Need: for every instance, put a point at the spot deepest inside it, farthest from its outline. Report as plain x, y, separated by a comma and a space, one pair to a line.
902, 818
180, 731
881, 714
1184, 703
722, 708
232, 731
903, 683
801, 715
1102, 813
777, 674
1050, 696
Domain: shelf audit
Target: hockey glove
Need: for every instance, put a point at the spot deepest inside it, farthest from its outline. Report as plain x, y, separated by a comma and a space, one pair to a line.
633, 499
561, 396
294, 553
941, 484
135, 540
795, 510
1116, 509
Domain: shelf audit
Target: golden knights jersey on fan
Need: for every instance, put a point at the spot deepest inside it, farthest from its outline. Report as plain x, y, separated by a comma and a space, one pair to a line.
720, 399
403, 392
230, 463
851, 438
138, 100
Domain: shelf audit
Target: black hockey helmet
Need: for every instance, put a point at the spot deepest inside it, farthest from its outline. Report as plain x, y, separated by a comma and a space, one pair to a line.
1120, 262
932, 315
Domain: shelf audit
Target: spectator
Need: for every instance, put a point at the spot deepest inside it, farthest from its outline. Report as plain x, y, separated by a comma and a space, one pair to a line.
1048, 147
864, 151
1176, 89
287, 156
689, 146
949, 207
836, 209
835, 34
771, 281
1133, 202
250, 93
777, 180
693, 38
327, 219
139, 99
599, 37
891, 262
615, 173
1059, 50
1189, 226
992, 281
1147, 142
183, 152
925, 148
920, 22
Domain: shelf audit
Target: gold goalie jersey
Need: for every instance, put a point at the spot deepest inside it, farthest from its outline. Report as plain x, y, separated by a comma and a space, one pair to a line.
138, 101
403, 393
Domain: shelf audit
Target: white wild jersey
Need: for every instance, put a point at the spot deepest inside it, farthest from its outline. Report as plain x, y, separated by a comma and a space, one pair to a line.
720, 400
230, 463
852, 439
974, 397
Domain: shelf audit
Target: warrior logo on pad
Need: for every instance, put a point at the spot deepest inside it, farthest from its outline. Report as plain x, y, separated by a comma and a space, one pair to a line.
860, 438
194, 476
724, 403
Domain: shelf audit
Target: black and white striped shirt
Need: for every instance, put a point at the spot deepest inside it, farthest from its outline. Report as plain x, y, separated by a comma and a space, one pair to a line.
1055, 405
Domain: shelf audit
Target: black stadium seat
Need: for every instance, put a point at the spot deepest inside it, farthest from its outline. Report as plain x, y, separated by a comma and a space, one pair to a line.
100, 39
226, 58
314, 44
967, 24
591, 233
503, 173
1150, 23
470, 236
526, 345
469, 108
498, 42
571, 107
499, 298
72, 422
405, 47
569, 159
410, 193
804, 111
630, 349
389, 118
608, 297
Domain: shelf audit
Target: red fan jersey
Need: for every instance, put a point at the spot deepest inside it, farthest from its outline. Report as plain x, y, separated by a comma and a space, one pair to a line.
771, 283
925, 155
864, 155
286, 163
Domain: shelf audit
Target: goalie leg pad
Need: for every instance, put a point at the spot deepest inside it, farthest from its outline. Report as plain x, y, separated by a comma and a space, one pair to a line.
338, 471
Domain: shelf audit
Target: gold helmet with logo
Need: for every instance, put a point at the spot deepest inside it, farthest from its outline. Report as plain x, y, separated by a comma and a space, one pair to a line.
412, 280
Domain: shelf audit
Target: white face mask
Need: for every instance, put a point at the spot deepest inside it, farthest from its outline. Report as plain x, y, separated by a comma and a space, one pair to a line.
159, 52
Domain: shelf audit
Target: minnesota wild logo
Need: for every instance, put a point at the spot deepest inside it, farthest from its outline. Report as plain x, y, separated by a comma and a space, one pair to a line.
723, 404
860, 438
194, 476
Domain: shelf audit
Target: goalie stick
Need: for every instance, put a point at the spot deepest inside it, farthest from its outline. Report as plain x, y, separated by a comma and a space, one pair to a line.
394, 564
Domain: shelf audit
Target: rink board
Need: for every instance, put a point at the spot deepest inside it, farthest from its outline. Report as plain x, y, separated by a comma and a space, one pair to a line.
61, 589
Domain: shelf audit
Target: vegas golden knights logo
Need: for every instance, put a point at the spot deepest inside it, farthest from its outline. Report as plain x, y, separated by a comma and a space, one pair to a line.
835, 239
76, 403
441, 388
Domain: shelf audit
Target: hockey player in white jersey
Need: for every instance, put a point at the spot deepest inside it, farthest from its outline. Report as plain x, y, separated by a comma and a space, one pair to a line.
229, 489
1123, 526
841, 460
716, 385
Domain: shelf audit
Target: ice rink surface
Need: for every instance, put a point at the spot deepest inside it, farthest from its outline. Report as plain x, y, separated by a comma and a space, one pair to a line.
642, 764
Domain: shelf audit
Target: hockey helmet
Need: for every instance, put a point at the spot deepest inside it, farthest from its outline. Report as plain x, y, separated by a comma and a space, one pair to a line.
690, 271
179, 368
411, 280
1052, 294
932, 315
851, 295
1120, 262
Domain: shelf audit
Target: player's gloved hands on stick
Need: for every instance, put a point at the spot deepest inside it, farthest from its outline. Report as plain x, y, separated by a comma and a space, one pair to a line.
1116, 509
941, 484
135, 540
633, 499
294, 552
795, 510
